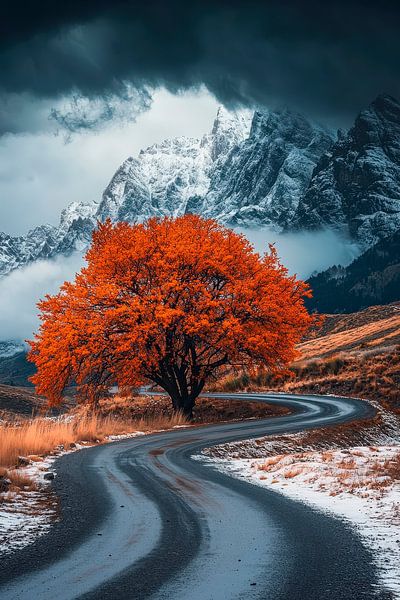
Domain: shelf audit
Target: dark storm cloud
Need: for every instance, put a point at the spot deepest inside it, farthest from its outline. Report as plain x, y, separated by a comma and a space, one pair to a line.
84, 114
328, 59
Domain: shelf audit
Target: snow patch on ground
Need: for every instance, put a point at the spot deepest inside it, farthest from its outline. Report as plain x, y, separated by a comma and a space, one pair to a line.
360, 485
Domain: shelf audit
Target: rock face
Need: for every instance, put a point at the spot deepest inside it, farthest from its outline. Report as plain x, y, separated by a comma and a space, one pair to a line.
262, 179
250, 170
373, 278
356, 185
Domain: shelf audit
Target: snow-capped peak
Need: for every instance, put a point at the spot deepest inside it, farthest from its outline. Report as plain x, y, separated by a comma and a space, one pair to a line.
167, 176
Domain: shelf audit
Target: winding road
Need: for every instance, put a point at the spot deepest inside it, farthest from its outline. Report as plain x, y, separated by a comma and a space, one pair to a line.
144, 519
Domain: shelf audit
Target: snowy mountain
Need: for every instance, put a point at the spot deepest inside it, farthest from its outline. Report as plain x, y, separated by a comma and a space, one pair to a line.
160, 181
356, 185
18, 251
251, 169
236, 174
270, 169
167, 176
11, 348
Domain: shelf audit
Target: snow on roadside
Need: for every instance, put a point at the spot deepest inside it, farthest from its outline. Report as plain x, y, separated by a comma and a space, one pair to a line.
27, 514
360, 485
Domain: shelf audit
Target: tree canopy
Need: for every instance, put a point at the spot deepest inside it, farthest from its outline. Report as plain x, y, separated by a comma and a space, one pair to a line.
169, 301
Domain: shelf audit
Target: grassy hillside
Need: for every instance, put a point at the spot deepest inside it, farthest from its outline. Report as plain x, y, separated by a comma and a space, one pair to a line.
374, 329
353, 355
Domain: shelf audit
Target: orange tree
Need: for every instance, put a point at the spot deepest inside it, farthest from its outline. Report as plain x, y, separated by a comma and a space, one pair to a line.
170, 302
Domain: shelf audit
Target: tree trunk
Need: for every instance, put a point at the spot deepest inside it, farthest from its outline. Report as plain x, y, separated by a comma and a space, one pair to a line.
182, 399
183, 404
188, 409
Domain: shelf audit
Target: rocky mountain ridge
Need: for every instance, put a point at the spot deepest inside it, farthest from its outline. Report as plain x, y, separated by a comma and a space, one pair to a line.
270, 169
355, 187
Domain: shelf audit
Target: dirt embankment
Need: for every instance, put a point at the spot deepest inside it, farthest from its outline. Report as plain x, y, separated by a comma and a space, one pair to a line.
207, 410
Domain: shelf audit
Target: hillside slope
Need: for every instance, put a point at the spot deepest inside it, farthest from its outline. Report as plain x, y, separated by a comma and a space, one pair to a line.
15, 370
376, 329
355, 354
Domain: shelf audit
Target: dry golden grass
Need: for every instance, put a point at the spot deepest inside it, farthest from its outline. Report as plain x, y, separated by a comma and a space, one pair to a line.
291, 473
363, 337
390, 468
41, 436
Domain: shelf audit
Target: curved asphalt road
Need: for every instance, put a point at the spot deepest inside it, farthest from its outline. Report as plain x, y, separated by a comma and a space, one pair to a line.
142, 519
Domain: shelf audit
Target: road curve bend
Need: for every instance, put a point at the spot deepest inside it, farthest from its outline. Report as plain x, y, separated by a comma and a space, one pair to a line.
144, 519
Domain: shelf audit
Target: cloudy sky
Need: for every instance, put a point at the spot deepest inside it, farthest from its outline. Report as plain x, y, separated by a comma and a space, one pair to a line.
84, 84
43, 171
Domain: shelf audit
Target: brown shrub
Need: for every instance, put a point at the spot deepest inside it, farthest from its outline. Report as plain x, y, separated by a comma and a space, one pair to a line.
19, 481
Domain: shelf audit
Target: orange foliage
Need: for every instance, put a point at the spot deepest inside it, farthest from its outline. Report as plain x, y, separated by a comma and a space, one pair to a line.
168, 301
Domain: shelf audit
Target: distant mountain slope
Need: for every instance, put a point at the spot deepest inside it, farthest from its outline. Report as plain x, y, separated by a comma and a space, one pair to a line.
356, 185
15, 370
375, 329
373, 278
339, 322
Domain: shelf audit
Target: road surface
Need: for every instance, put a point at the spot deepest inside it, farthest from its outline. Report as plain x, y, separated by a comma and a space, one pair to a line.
144, 519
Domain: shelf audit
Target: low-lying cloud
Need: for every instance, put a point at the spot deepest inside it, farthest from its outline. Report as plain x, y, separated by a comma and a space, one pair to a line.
306, 252
22, 289
302, 253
